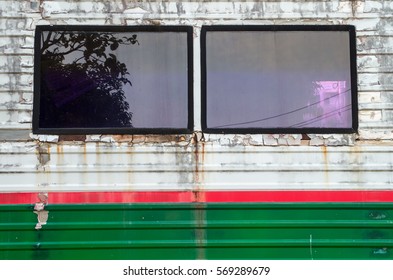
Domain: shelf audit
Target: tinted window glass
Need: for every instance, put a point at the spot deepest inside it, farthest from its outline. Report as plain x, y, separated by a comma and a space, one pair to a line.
278, 80
113, 79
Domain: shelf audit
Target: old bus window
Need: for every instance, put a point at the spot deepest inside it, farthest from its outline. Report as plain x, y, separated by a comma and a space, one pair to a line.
96, 79
273, 79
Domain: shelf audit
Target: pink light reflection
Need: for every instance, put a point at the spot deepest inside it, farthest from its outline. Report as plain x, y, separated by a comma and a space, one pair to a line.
333, 107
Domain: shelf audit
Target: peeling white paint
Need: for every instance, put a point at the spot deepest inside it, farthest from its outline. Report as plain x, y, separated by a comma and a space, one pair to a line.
107, 139
136, 10
150, 162
208, 12
93, 138
45, 138
53, 7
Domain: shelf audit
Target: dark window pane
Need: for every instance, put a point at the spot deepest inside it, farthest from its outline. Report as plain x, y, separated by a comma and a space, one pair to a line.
134, 79
282, 79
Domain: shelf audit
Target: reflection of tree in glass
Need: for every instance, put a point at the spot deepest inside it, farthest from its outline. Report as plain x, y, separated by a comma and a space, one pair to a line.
82, 80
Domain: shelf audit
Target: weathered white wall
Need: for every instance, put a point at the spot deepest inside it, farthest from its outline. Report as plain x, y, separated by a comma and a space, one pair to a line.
39, 163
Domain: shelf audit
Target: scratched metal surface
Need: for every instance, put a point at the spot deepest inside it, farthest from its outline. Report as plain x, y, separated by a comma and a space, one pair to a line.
213, 231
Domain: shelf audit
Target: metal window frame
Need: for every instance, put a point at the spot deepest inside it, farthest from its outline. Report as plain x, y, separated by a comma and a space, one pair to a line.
111, 130
284, 130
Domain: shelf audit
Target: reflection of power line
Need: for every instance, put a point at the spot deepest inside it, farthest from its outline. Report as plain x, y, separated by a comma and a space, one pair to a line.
322, 117
283, 114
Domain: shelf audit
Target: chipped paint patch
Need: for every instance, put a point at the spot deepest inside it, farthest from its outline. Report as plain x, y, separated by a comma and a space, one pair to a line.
39, 209
43, 155
381, 251
45, 138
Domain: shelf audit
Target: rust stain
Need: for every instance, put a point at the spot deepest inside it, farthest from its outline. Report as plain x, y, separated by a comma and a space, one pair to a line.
199, 197
153, 22
98, 160
59, 149
123, 138
326, 164
138, 139
60, 154
199, 155
130, 175
325, 154
84, 154
72, 138
356, 163
152, 138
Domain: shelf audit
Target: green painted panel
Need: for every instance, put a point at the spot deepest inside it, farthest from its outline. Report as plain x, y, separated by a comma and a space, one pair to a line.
200, 231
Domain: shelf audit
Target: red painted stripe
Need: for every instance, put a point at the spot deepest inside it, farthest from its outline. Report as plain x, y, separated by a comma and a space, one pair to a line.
301, 196
18, 198
208, 196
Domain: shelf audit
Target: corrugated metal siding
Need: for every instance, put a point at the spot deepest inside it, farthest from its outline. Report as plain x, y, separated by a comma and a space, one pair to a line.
213, 231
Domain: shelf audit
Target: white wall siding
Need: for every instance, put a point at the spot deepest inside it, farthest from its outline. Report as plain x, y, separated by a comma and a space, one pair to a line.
111, 162
99, 167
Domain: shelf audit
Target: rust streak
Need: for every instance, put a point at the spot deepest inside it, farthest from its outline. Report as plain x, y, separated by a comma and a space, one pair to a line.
326, 164
199, 199
199, 154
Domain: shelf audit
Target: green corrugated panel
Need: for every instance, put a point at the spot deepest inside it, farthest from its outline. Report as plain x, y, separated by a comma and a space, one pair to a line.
199, 231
